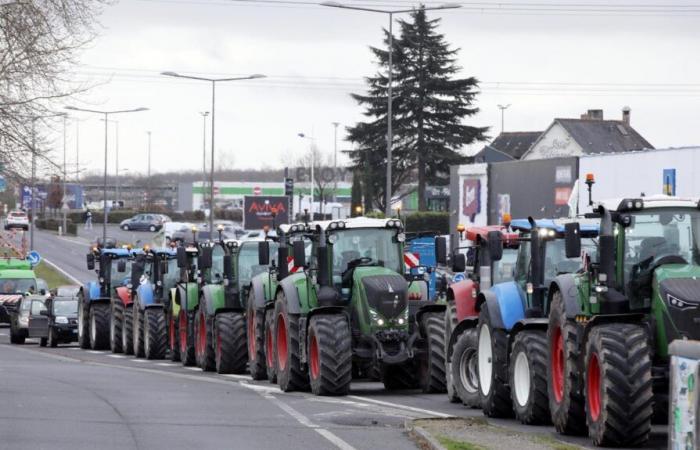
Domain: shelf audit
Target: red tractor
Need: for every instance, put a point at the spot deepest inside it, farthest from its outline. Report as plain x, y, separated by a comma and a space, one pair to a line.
490, 258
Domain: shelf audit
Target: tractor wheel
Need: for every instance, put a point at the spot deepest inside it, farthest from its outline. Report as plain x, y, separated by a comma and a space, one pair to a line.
173, 338
115, 327
83, 325
42, 342
53, 342
231, 354
203, 345
464, 368
99, 326
528, 377
154, 334
399, 376
492, 367
270, 347
618, 385
432, 364
564, 376
330, 355
450, 324
290, 375
185, 321
137, 321
128, 331
256, 339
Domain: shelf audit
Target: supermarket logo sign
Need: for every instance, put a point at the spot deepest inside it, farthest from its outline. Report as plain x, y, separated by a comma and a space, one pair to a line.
471, 198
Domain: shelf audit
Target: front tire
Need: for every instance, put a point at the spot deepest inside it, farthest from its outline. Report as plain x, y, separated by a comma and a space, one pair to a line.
16, 336
330, 355
270, 347
256, 339
128, 331
83, 325
492, 364
125, 227
618, 385
115, 328
154, 333
173, 338
152, 229
433, 376
528, 377
464, 368
53, 342
230, 352
42, 342
450, 324
290, 375
203, 335
99, 326
137, 321
185, 322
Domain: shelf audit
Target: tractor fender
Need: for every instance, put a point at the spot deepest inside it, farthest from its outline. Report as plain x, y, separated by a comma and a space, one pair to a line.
146, 295
430, 307
511, 303
463, 293
291, 293
487, 299
214, 300
464, 325
538, 323
124, 295
566, 285
257, 287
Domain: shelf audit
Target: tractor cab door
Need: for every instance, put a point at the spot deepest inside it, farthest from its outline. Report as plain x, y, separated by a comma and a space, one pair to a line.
38, 320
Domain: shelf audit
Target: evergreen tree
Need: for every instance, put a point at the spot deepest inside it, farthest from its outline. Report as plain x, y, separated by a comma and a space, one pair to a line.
429, 108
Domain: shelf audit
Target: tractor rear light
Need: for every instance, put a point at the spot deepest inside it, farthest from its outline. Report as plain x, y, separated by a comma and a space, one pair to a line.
506, 220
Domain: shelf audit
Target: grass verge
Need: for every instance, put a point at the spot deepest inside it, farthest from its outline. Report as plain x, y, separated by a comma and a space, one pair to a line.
53, 277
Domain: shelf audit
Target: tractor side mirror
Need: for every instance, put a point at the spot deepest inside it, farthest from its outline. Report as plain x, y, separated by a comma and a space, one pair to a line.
181, 258
90, 261
572, 239
495, 245
441, 250
205, 258
264, 253
228, 266
299, 250
459, 262
121, 266
471, 259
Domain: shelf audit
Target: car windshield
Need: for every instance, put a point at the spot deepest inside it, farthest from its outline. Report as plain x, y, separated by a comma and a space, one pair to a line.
17, 286
656, 233
248, 265
65, 307
377, 244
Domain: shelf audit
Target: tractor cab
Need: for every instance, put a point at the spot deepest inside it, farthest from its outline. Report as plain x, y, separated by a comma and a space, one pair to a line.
113, 268
157, 266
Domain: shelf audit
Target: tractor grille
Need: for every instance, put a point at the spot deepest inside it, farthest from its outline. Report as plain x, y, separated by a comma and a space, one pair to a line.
682, 298
386, 294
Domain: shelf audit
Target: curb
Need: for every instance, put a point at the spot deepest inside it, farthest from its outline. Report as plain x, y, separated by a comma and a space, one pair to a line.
422, 437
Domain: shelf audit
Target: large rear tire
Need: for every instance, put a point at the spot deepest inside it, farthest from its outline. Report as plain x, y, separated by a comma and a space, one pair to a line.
564, 377
290, 375
231, 354
528, 377
137, 321
256, 339
450, 324
185, 334
330, 355
432, 364
99, 326
128, 331
115, 327
618, 385
464, 368
492, 365
204, 339
83, 324
173, 338
270, 347
154, 333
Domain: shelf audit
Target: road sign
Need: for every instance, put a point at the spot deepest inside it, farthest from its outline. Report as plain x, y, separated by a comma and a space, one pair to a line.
288, 186
257, 190
33, 257
458, 277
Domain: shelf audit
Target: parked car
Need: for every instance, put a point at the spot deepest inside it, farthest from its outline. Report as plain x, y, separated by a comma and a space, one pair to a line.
17, 219
170, 228
142, 222
59, 323
19, 319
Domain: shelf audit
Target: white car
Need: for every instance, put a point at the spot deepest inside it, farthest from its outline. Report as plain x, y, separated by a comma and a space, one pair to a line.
17, 219
169, 228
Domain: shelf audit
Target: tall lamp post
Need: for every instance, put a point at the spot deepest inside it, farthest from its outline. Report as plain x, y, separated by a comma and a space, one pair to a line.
213, 82
503, 111
104, 187
335, 161
389, 135
204, 115
312, 142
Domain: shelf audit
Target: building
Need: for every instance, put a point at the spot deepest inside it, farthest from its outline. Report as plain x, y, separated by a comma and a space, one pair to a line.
508, 146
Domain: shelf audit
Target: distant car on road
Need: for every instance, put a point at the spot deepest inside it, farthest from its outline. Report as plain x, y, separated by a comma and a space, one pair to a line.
17, 219
142, 222
59, 323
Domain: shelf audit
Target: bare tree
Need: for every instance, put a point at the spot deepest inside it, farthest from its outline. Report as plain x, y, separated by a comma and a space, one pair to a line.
323, 173
39, 42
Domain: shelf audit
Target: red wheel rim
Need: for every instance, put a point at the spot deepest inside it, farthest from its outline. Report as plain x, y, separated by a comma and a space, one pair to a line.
268, 348
183, 332
593, 381
558, 364
171, 332
281, 342
251, 335
314, 362
202, 335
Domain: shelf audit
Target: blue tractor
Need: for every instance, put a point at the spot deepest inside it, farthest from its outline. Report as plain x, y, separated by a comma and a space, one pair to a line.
421, 246
101, 301
153, 275
512, 327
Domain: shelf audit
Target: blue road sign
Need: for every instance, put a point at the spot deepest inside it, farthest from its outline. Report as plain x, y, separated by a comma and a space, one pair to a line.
34, 258
458, 277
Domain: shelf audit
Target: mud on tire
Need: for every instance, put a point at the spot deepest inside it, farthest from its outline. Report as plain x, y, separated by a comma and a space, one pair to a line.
230, 349
330, 354
432, 364
527, 373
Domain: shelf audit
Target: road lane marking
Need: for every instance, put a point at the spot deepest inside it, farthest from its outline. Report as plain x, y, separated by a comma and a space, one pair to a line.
116, 356
96, 352
139, 360
238, 377
64, 273
400, 406
167, 364
3, 334
302, 419
193, 368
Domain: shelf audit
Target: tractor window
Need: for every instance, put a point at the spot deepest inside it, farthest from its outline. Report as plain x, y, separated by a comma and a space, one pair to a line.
171, 278
504, 270
522, 264
217, 264
377, 244
556, 262
120, 278
248, 266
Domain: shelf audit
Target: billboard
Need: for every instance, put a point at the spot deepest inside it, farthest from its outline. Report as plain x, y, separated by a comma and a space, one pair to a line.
74, 196
260, 211
473, 190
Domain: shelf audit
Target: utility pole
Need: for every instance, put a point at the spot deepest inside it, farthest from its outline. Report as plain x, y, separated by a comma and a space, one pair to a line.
503, 110
33, 188
148, 177
64, 206
204, 154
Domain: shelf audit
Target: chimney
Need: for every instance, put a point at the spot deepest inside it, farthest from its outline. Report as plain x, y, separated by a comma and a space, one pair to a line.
593, 114
626, 112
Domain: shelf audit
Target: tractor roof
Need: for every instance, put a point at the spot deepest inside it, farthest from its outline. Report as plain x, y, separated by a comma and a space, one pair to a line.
652, 201
121, 252
164, 251
297, 227
587, 226
359, 222
15, 263
476, 233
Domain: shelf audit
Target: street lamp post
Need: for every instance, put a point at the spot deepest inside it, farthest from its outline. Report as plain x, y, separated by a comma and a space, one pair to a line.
104, 187
204, 153
213, 82
389, 131
335, 161
503, 110
312, 142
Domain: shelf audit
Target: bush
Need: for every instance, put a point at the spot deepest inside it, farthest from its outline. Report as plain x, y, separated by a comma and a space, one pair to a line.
53, 224
427, 221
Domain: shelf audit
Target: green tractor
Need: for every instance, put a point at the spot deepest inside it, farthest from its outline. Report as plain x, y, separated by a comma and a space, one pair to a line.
184, 299
610, 325
351, 305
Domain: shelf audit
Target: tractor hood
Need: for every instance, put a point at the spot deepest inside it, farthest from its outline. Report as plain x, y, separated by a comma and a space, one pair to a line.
679, 288
385, 290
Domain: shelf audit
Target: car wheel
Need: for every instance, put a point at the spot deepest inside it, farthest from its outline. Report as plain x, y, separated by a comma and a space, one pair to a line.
125, 227
152, 228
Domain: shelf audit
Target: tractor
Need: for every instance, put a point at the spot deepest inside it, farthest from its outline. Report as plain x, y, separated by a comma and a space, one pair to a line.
512, 327
105, 304
153, 274
184, 298
610, 326
351, 305
490, 258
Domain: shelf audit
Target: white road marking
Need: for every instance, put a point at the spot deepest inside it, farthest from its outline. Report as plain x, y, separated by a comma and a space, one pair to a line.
167, 364
400, 406
194, 368
238, 377
73, 348
95, 352
139, 360
3, 334
302, 419
370, 408
262, 387
116, 356
64, 273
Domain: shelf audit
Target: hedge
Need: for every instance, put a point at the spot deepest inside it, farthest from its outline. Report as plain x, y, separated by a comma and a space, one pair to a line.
427, 221
53, 224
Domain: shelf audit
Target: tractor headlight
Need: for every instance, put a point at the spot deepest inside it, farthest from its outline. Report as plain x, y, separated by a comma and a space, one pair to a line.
61, 319
678, 303
401, 321
401, 237
380, 322
376, 318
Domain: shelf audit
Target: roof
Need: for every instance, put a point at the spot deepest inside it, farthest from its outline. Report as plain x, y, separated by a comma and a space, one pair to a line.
653, 201
515, 143
474, 233
358, 222
164, 251
122, 252
604, 136
587, 226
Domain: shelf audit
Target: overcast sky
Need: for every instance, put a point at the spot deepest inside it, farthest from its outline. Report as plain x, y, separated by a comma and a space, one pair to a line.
553, 64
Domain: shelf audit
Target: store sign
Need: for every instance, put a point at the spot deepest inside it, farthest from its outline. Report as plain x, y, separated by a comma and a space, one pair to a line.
471, 198
262, 211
